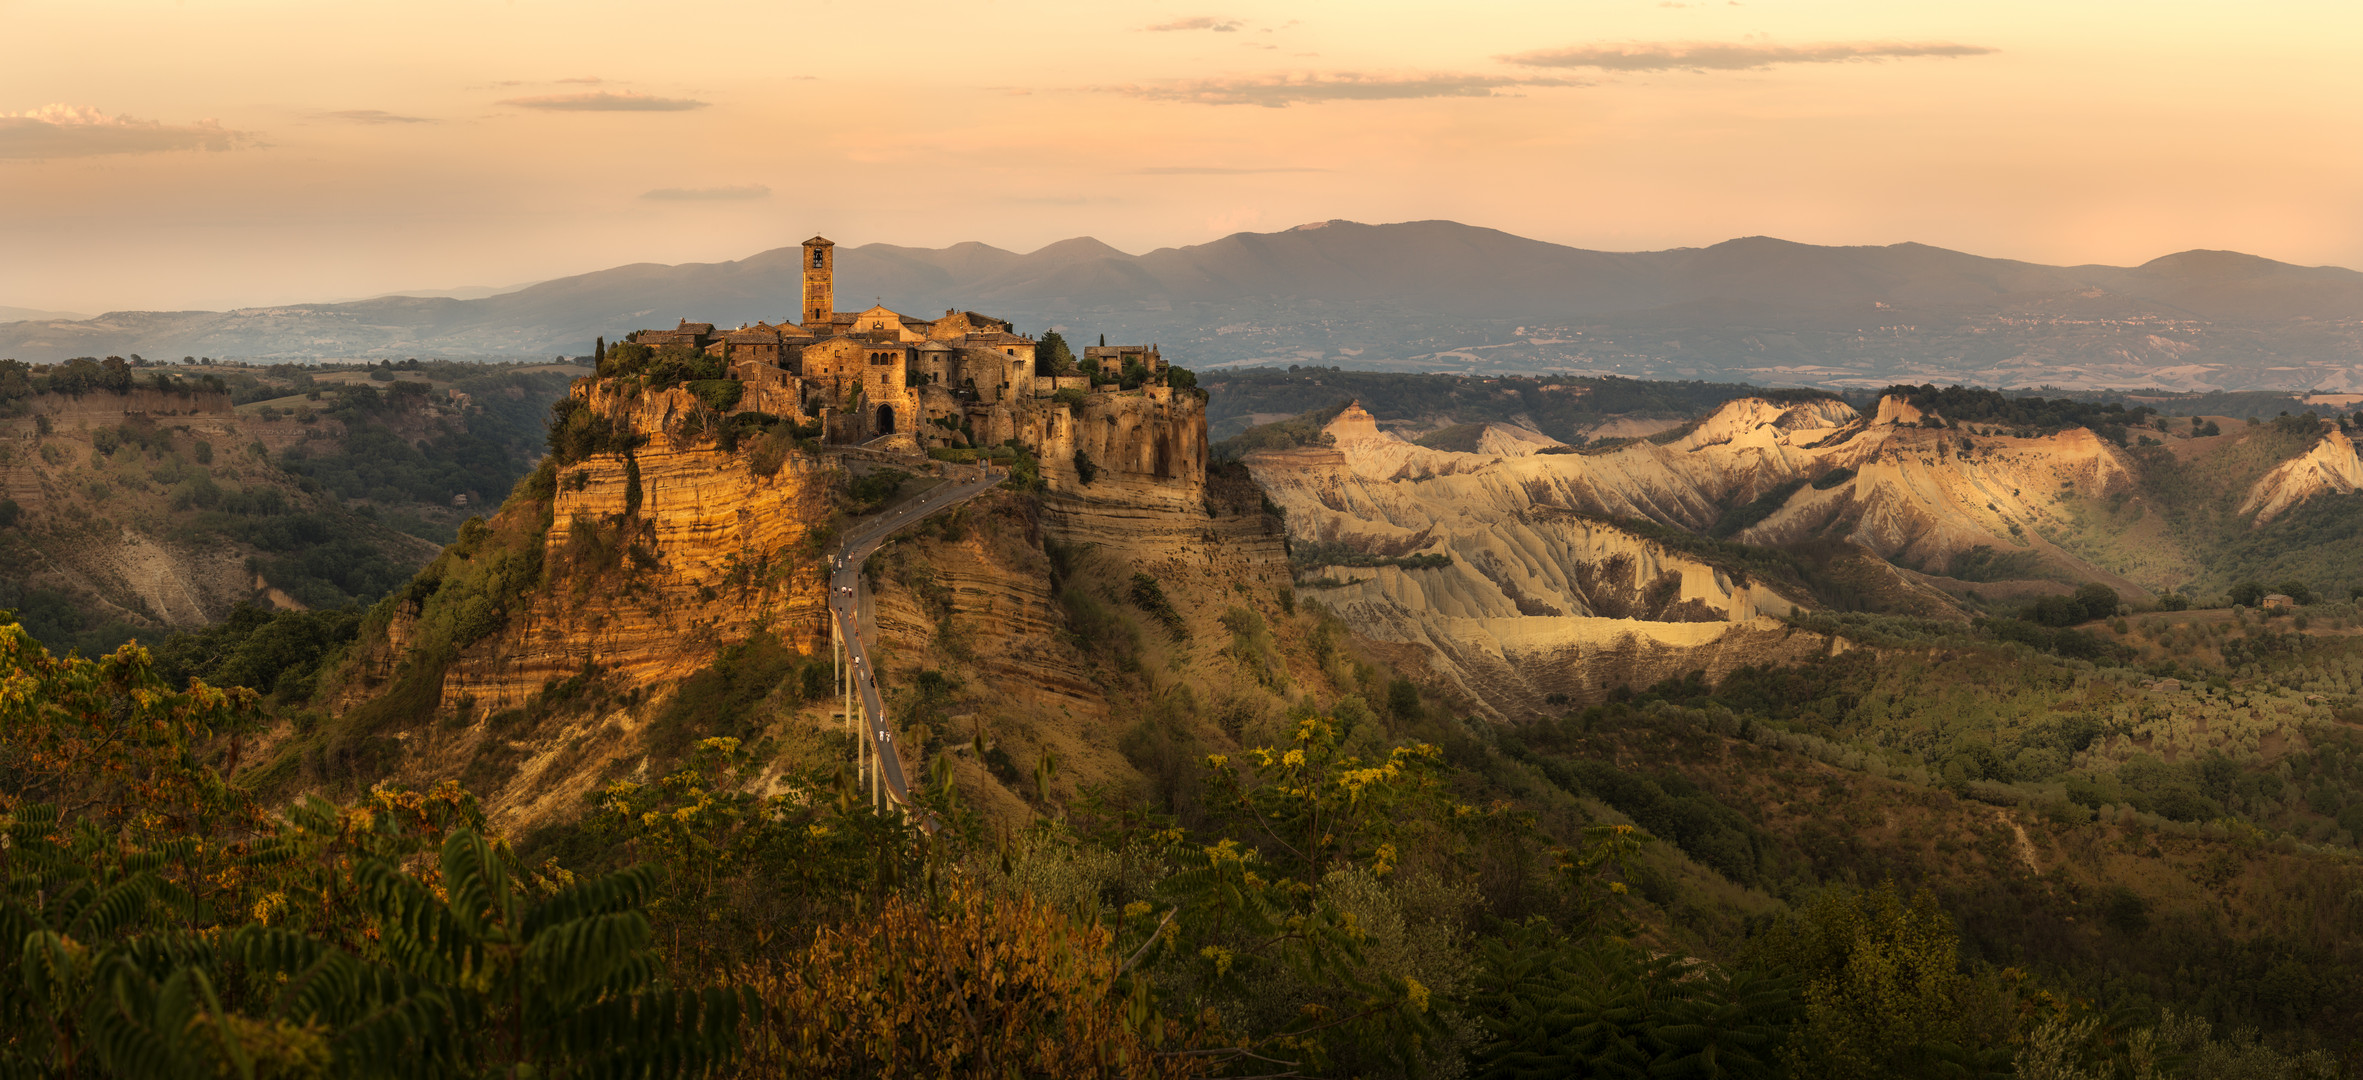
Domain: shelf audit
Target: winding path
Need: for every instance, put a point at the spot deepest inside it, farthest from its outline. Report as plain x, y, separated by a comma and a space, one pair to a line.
848, 597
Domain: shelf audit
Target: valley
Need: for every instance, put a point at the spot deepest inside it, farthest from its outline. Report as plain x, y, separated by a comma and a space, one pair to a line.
1421, 673
152, 498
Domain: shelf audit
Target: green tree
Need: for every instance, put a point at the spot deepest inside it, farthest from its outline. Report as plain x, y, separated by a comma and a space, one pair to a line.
1555, 1006
1052, 356
167, 927
2098, 600
1884, 993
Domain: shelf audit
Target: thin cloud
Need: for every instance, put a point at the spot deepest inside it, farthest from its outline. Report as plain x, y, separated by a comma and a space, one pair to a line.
373, 116
69, 131
603, 101
1730, 56
1217, 170
1281, 91
591, 80
1199, 22
738, 193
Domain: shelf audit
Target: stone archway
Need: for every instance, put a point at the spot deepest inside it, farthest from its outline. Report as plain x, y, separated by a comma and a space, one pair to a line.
885, 419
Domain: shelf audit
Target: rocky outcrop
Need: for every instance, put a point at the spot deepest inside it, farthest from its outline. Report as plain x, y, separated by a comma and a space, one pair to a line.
1919, 497
1541, 577
2330, 467
1542, 594
657, 557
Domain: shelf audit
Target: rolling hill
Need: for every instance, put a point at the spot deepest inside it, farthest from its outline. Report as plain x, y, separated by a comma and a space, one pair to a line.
1428, 295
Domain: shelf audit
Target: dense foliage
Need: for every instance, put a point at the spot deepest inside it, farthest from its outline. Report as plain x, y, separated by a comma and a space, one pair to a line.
164, 924
2023, 414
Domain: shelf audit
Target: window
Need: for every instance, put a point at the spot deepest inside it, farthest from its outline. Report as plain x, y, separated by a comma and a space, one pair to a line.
816, 257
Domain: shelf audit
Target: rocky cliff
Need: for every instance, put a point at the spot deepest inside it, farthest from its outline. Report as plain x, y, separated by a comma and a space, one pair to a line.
660, 555
1543, 583
2331, 467
624, 584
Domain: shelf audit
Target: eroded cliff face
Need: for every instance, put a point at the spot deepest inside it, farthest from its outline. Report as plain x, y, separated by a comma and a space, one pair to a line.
1029, 609
642, 566
659, 556
1743, 449
1028, 604
2330, 467
638, 595
1919, 497
1543, 585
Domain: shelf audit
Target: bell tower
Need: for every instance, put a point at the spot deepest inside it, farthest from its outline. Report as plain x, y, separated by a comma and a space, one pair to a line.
820, 291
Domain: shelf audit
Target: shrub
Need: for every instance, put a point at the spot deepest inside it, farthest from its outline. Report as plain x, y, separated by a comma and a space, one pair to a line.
718, 393
874, 490
1149, 596
770, 452
578, 432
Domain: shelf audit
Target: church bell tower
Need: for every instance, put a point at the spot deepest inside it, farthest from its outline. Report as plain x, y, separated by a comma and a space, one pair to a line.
820, 291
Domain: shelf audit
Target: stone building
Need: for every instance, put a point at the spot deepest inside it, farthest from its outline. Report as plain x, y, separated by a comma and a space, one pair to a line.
963, 379
1109, 360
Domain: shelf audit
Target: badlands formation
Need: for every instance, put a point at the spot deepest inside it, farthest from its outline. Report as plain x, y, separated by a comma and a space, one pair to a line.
2331, 467
1556, 589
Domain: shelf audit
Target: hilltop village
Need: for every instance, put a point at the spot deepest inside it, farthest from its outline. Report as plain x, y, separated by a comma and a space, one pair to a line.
897, 383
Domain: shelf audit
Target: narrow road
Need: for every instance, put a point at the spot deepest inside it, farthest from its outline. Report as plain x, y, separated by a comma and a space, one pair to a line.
847, 595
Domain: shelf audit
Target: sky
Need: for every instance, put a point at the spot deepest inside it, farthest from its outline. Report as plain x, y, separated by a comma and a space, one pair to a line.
177, 154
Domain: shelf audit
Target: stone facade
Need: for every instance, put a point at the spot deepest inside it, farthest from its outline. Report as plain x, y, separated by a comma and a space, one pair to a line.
1109, 360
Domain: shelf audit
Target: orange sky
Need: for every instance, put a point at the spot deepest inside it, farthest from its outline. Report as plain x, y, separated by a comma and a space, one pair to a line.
208, 153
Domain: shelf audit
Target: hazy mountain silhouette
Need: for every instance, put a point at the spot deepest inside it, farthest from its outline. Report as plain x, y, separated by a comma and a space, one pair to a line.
1413, 293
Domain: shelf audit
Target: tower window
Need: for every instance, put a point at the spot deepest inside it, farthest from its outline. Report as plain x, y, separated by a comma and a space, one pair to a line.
816, 256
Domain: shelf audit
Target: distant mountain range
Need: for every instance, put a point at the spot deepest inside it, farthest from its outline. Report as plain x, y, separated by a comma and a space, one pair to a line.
1428, 295
16, 314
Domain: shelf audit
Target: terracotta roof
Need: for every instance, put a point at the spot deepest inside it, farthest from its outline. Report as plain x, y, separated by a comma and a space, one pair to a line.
881, 309
820, 241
